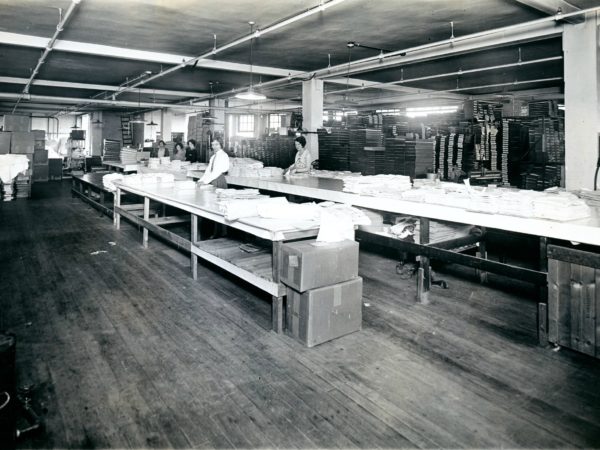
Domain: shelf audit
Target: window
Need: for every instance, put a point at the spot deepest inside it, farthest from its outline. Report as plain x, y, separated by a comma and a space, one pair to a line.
274, 122
246, 124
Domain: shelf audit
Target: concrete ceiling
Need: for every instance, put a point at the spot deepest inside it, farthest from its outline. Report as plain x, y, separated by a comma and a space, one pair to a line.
105, 44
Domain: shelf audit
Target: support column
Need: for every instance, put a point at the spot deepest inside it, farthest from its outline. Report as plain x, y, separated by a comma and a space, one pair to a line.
582, 102
312, 113
165, 124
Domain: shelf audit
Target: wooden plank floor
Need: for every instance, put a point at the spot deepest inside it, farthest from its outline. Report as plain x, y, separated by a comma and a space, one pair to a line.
125, 350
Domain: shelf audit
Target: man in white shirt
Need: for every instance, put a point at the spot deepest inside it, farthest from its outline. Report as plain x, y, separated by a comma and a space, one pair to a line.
217, 167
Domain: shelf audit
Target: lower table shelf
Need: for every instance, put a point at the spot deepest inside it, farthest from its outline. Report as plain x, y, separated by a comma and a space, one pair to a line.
256, 268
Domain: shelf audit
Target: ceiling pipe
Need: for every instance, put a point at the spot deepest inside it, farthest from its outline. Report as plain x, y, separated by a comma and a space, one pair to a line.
257, 33
448, 74
48, 48
93, 101
379, 100
396, 57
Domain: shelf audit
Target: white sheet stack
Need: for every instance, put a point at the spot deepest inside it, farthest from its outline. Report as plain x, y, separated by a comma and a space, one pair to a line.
128, 155
390, 186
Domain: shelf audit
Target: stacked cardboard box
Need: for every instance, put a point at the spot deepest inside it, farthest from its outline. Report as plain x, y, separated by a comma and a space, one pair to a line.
324, 295
40, 156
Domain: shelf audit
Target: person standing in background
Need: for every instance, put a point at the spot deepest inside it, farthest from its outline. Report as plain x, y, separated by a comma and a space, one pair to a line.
179, 152
190, 152
161, 151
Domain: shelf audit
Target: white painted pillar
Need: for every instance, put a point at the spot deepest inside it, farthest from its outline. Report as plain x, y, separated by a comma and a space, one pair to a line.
582, 102
312, 113
165, 124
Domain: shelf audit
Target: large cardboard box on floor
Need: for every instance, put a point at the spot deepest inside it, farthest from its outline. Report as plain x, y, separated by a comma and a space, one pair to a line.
55, 168
310, 264
320, 315
22, 143
13, 122
40, 157
5, 142
40, 172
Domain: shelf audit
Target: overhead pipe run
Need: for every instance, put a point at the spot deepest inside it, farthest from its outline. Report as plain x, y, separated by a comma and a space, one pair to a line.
400, 56
48, 49
448, 74
379, 100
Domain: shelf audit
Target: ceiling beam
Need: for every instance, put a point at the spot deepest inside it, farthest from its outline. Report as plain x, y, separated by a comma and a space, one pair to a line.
138, 55
97, 87
91, 101
553, 7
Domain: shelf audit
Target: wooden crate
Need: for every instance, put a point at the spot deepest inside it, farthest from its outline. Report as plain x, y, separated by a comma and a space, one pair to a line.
574, 299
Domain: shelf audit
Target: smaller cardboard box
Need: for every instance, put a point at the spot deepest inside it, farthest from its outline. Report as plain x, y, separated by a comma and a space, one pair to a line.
40, 157
40, 172
14, 122
320, 315
22, 143
309, 264
5, 138
40, 135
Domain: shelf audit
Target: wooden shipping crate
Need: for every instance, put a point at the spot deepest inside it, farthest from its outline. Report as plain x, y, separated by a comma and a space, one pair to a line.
574, 299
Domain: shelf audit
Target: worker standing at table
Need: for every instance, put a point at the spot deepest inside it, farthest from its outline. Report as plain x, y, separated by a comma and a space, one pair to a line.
302, 160
218, 166
215, 175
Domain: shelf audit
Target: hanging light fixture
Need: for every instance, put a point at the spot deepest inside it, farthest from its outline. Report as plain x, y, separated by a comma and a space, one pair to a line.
251, 94
151, 123
137, 118
206, 115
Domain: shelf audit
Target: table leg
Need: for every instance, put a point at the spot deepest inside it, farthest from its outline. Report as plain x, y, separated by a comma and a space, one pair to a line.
424, 272
277, 314
194, 238
482, 253
543, 295
277, 310
146, 217
117, 203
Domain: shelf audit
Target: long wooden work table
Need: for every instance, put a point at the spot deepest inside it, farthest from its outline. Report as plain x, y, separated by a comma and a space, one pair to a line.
584, 231
555, 241
260, 269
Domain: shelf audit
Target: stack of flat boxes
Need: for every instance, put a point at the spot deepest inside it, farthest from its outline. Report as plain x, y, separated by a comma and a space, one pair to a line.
324, 294
22, 141
40, 156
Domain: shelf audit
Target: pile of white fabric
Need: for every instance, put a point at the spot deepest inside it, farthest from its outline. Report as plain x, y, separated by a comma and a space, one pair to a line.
561, 206
238, 209
150, 179
334, 174
390, 186
109, 179
244, 167
239, 194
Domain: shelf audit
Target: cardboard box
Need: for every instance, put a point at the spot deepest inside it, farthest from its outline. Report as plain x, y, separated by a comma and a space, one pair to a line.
5, 138
39, 145
320, 315
40, 157
40, 135
17, 123
22, 143
55, 168
40, 172
309, 264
